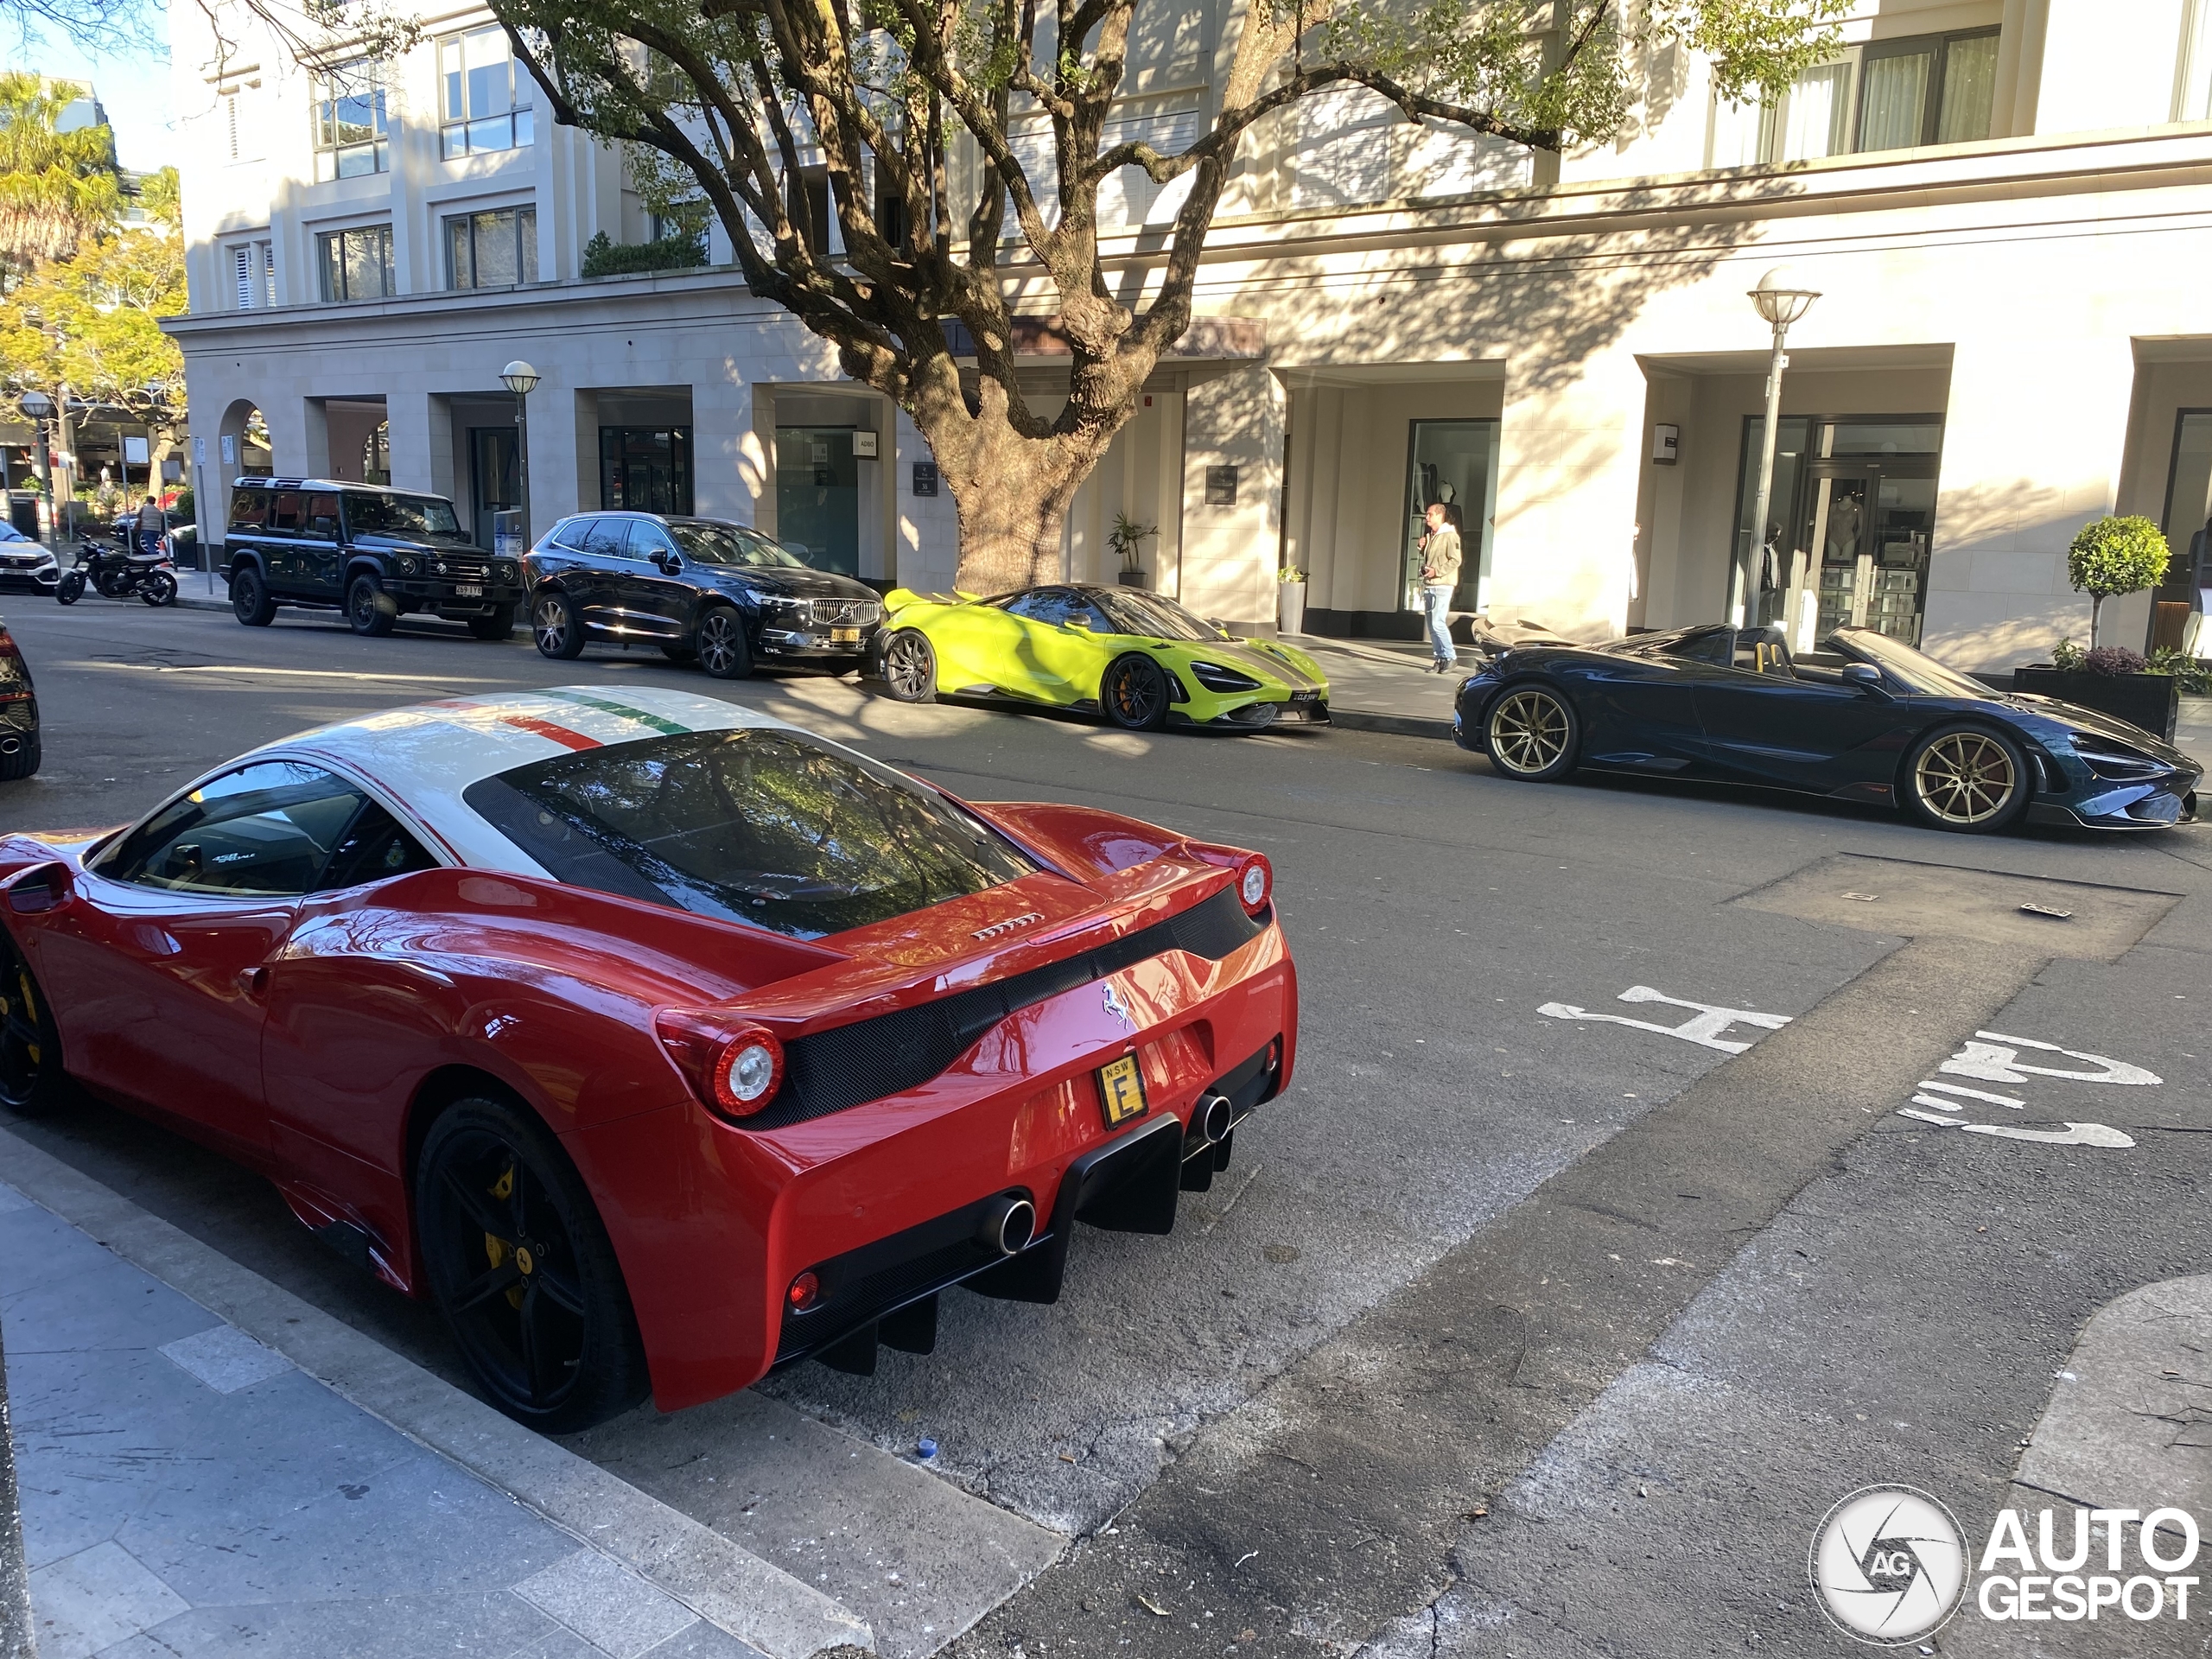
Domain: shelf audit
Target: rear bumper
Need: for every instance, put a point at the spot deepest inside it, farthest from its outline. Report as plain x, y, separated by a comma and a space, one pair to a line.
713, 1222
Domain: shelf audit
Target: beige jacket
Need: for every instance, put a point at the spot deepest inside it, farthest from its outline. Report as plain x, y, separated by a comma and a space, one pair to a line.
1439, 558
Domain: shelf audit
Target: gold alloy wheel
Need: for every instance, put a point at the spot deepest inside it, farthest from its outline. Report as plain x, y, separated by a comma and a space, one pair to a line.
1965, 777
1528, 733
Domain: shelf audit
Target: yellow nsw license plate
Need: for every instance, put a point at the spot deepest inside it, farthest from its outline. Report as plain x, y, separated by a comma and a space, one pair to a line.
844, 636
1121, 1090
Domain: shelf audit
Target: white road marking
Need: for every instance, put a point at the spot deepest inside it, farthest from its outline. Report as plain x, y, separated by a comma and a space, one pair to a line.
1992, 1057
1996, 1058
426, 680
1705, 1029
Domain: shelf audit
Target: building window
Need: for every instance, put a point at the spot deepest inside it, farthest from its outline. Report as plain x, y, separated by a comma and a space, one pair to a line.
1925, 89
496, 249
252, 275
1453, 464
349, 123
484, 103
646, 469
355, 264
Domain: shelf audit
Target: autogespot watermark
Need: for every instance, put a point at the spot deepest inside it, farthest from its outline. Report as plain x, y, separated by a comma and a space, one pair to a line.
1890, 1566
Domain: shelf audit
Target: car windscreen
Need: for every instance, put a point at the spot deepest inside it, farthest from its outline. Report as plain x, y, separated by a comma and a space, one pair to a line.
723, 545
773, 828
424, 517
1913, 670
1148, 614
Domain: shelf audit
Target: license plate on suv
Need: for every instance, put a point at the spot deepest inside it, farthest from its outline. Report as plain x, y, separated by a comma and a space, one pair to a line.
469, 590
844, 636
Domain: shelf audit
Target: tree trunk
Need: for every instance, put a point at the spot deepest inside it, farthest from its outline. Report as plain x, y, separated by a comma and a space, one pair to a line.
1013, 495
2096, 610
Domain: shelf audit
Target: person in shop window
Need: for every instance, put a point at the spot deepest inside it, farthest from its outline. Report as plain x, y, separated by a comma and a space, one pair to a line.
1440, 575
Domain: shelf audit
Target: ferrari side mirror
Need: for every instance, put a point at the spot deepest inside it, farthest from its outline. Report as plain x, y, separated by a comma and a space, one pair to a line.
43, 888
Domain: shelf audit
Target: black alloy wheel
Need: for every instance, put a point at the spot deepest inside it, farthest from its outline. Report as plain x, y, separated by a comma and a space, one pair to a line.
910, 667
249, 600
160, 589
1134, 694
497, 626
369, 610
1965, 778
1532, 734
71, 588
520, 1267
723, 648
31, 1080
555, 626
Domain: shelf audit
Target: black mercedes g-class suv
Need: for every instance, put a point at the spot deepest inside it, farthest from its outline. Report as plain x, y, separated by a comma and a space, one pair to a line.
374, 552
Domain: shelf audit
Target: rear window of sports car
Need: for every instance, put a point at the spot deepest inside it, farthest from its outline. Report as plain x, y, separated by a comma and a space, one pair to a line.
766, 826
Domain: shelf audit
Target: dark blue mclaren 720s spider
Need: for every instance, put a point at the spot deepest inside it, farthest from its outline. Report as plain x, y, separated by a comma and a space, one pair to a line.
1877, 721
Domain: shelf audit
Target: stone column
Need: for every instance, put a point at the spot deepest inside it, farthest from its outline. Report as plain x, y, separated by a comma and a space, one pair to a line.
2033, 443
1567, 490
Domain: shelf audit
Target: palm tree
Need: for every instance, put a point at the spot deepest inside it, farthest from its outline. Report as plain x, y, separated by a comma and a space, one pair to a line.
56, 188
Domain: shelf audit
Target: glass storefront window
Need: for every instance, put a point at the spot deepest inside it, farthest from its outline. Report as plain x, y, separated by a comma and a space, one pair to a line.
2188, 521
646, 469
1850, 525
1454, 462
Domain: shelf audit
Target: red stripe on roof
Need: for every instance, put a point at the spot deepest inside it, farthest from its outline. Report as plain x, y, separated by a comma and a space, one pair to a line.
546, 728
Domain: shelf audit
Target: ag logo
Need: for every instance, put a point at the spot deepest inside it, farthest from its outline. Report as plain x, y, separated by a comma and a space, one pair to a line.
1888, 1565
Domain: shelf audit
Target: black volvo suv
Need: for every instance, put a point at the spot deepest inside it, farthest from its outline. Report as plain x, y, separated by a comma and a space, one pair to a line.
374, 552
697, 588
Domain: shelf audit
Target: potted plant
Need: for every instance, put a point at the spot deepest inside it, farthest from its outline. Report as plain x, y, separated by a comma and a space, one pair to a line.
2124, 554
2112, 680
1128, 538
1290, 600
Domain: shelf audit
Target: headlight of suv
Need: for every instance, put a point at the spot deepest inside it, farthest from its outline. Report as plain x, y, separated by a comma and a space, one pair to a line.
508, 573
407, 567
1215, 677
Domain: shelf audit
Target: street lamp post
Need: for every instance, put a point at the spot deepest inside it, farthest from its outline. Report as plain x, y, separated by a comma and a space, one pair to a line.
39, 409
1781, 302
520, 377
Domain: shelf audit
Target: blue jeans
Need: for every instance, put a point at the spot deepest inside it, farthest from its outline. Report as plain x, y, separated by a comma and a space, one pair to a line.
1436, 605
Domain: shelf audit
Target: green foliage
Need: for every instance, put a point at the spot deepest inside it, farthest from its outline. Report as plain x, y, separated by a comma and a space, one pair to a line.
92, 324
605, 258
2120, 555
56, 188
1128, 538
2066, 655
2196, 677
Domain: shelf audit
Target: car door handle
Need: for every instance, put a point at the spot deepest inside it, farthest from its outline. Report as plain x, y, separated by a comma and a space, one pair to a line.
253, 981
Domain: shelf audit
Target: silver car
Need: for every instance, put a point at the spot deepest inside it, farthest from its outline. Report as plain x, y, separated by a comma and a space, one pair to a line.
25, 564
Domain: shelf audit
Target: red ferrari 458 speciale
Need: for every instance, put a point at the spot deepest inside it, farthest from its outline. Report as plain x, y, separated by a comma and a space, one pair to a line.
657, 1042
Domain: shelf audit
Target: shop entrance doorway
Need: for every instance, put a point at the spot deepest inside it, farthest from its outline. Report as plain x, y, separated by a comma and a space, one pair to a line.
818, 496
1850, 538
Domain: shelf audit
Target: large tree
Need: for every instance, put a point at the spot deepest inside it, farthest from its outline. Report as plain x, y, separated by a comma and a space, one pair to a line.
917, 113
56, 188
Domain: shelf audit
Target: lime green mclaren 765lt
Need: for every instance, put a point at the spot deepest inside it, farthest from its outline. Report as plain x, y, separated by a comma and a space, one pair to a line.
1139, 660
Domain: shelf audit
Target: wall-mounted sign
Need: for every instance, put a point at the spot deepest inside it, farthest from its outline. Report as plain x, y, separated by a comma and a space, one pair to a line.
925, 478
1221, 487
1666, 443
229, 450
864, 445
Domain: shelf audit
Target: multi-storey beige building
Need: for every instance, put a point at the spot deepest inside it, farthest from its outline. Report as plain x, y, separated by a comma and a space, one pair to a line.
2005, 206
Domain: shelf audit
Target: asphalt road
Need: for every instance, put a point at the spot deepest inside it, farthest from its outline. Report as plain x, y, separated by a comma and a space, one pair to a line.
1508, 1332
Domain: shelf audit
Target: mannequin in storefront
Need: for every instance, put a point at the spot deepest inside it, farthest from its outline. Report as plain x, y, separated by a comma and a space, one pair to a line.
2196, 638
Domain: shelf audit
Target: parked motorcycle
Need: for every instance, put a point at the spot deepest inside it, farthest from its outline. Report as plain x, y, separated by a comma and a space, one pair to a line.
118, 573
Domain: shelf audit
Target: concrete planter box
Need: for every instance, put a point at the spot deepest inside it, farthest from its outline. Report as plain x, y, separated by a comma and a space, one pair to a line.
1290, 607
1133, 579
2150, 701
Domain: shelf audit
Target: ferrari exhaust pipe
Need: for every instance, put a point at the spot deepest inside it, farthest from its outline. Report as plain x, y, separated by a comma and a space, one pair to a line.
1211, 1120
1008, 1224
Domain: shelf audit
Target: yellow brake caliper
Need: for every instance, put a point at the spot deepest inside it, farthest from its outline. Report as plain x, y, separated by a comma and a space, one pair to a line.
496, 1248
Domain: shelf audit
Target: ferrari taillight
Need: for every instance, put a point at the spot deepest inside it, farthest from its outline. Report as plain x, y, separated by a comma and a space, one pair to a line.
1255, 883
734, 1066
747, 1071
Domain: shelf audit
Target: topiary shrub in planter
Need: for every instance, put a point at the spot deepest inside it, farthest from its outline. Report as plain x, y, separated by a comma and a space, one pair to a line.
2120, 555
2109, 679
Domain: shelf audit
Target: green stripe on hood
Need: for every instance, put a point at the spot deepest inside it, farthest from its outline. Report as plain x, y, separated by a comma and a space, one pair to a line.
666, 728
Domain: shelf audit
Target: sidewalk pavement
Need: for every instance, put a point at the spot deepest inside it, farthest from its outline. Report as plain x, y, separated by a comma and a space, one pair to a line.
188, 1491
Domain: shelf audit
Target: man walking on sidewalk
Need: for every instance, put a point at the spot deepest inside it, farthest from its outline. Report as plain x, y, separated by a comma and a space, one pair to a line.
1440, 575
